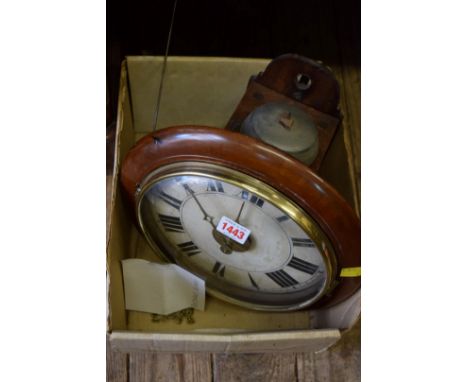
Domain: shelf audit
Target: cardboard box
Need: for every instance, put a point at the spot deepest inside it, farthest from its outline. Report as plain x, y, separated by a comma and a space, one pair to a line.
203, 91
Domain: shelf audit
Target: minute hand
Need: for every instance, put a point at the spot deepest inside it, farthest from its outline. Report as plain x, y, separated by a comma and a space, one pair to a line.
205, 215
225, 247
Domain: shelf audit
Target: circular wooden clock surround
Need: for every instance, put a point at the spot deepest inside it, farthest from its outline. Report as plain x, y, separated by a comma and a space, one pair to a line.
271, 166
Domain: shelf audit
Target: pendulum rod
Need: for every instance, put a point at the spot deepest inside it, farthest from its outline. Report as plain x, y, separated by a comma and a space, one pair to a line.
163, 70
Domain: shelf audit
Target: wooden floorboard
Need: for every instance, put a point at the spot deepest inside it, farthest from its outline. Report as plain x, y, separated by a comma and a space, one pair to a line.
161, 367
342, 362
254, 367
339, 363
116, 365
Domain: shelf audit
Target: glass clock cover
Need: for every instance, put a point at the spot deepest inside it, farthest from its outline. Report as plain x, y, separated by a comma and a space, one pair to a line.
280, 266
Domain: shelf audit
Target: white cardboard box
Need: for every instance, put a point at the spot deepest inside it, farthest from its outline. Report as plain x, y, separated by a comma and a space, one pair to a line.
203, 91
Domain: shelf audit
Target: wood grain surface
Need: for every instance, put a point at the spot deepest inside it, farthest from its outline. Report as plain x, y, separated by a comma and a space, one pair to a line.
291, 178
257, 95
341, 363
117, 365
149, 367
254, 367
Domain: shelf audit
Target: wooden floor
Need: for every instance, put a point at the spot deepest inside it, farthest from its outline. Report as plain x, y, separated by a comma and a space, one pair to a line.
341, 363
330, 33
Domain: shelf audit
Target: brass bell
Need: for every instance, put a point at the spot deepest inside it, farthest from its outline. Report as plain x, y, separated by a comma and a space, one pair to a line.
285, 127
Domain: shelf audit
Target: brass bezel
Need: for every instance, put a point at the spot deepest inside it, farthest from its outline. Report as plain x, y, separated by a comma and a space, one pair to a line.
265, 191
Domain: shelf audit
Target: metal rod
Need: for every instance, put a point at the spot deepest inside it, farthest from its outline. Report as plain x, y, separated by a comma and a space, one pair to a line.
163, 70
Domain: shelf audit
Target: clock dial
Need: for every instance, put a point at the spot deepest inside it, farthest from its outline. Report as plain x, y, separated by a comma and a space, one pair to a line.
282, 262
263, 230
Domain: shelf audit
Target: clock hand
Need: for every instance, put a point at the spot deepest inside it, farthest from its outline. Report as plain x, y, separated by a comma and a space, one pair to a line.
240, 211
205, 215
225, 247
229, 243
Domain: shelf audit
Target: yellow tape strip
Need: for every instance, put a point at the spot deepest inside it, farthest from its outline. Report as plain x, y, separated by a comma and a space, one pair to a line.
350, 272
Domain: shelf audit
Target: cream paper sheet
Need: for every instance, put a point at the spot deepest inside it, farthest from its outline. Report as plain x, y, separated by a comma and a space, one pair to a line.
160, 288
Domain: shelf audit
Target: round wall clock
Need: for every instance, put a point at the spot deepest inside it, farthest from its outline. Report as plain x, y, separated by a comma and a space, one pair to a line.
262, 229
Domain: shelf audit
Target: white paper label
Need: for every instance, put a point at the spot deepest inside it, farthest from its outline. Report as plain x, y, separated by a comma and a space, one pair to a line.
161, 288
233, 230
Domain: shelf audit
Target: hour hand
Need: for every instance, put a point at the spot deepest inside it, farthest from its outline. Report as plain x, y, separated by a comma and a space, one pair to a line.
240, 211
228, 245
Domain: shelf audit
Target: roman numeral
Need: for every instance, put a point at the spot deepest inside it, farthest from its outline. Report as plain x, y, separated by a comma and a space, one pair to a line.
252, 281
173, 202
281, 219
219, 269
171, 223
282, 278
215, 186
187, 188
302, 265
189, 248
302, 242
252, 199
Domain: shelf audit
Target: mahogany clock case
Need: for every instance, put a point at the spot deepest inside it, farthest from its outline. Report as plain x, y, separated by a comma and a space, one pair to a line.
204, 91
241, 153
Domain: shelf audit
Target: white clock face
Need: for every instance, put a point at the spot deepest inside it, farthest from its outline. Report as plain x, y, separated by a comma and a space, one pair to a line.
278, 265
